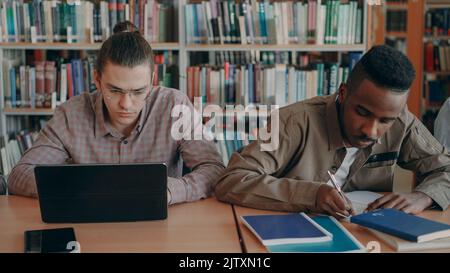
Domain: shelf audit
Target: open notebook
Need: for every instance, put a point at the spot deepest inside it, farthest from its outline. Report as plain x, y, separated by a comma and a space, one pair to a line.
361, 199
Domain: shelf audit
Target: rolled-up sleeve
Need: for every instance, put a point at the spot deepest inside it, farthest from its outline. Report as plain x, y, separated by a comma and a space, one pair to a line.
254, 177
205, 162
422, 153
201, 157
48, 149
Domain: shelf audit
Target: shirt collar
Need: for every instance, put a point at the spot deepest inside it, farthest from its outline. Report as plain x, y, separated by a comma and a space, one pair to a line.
101, 129
335, 139
142, 118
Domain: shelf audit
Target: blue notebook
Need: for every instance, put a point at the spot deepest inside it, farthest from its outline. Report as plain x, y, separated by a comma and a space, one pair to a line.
343, 241
286, 229
402, 225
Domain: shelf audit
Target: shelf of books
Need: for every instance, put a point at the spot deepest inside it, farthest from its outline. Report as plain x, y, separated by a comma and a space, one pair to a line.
48, 54
266, 53
75, 46
252, 79
400, 24
436, 84
396, 24
281, 23
244, 52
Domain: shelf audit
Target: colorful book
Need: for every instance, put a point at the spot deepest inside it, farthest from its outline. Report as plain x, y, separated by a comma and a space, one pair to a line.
292, 228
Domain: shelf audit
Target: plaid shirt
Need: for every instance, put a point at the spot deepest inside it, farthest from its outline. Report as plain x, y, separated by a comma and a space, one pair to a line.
79, 133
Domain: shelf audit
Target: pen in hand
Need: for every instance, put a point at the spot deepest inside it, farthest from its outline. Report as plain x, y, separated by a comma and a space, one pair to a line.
336, 186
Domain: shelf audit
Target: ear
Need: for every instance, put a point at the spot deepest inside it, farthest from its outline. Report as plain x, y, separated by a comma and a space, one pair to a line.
153, 75
342, 92
97, 80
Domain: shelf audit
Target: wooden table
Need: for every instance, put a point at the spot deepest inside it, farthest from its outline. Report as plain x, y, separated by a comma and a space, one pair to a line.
202, 226
253, 245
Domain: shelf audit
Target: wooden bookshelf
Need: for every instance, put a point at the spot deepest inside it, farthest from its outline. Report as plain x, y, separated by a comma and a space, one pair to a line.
437, 73
185, 53
396, 6
290, 47
414, 41
397, 34
437, 5
28, 112
77, 46
436, 38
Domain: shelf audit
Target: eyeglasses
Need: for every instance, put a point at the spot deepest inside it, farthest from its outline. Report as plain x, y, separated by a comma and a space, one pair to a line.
135, 95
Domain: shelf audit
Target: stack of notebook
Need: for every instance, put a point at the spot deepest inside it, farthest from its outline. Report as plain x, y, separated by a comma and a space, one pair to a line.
405, 232
298, 232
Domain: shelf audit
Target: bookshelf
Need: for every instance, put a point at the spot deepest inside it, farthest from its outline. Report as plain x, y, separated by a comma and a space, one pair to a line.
398, 23
188, 48
425, 41
436, 58
292, 47
76, 46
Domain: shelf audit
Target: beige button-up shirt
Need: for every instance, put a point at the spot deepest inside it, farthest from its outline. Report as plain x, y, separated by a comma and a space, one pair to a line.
79, 133
310, 144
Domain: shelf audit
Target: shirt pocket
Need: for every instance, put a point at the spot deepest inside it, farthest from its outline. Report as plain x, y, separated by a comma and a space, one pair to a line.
381, 160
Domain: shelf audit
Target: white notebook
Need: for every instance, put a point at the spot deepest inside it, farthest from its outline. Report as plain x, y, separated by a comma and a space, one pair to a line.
361, 199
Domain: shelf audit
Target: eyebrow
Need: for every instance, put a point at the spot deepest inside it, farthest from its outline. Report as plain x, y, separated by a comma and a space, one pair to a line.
118, 88
367, 110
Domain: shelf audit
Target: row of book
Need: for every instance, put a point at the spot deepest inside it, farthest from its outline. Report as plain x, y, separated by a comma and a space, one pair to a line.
46, 84
437, 22
270, 22
83, 21
280, 84
12, 149
396, 20
263, 57
294, 58
437, 56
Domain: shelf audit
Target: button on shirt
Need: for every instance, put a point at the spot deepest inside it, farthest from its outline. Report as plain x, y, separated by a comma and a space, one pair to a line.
80, 133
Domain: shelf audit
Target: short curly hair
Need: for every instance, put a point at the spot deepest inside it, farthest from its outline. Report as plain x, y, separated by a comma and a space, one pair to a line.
385, 67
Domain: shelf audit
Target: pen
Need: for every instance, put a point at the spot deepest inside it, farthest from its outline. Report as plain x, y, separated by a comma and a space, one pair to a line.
335, 184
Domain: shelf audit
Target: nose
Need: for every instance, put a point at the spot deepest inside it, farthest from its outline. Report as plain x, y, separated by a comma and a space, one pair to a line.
370, 129
125, 101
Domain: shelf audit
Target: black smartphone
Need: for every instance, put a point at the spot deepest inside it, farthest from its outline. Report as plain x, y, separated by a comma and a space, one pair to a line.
59, 240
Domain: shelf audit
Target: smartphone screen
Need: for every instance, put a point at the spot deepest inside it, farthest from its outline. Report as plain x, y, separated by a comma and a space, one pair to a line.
50, 240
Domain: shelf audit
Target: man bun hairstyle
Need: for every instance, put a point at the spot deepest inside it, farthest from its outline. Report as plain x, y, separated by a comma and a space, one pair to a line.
126, 47
125, 26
